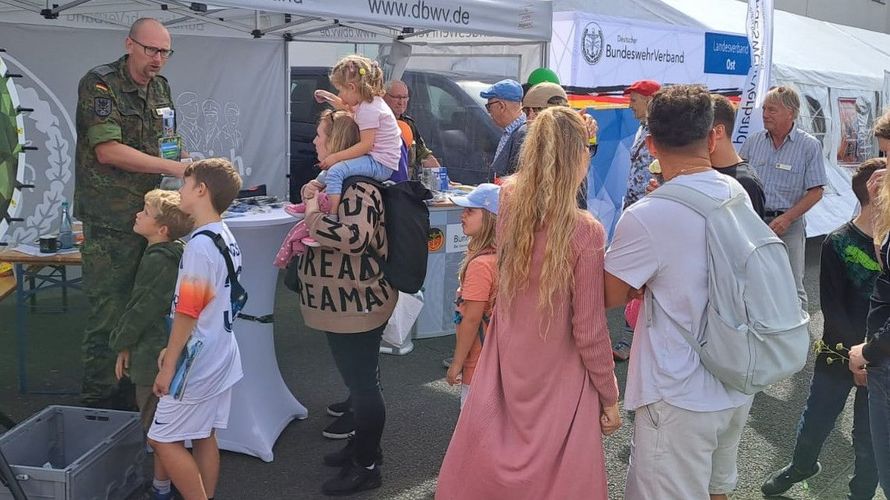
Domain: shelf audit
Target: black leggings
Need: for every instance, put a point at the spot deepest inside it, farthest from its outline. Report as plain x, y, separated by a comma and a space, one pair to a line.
356, 356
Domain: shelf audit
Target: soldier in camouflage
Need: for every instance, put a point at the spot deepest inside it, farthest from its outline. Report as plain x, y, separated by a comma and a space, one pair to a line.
119, 122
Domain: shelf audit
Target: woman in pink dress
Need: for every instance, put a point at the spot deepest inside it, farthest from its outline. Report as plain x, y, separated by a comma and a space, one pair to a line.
544, 390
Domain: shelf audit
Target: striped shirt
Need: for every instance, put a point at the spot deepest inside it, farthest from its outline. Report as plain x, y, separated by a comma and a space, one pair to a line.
789, 171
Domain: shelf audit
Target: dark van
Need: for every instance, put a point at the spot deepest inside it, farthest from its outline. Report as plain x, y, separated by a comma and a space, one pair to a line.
447, 108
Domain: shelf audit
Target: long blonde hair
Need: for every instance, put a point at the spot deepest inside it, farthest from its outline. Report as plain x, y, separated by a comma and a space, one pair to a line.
542, 196
882, 214
341, 130
480, 243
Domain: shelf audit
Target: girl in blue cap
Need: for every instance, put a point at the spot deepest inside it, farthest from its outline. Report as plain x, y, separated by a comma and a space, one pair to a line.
478, 283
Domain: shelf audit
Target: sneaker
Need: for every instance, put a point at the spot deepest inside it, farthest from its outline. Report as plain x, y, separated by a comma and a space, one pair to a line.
310, 242
621, 350
295, 210
783, 480
341, 428
352, 479
155, 495
343, 456
447, 362
338, 409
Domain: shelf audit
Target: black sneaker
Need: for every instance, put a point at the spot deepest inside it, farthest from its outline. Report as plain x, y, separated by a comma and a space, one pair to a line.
338, 409
352, 479
783, 480
341, 428
343, 456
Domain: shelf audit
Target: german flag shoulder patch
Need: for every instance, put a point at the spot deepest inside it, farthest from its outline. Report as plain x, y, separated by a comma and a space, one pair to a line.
102, 87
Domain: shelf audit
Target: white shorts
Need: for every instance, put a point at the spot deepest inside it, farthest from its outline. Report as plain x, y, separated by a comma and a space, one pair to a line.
677, 453
177, 421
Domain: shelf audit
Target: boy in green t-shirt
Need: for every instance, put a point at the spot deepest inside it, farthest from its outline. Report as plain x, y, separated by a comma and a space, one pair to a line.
142, 331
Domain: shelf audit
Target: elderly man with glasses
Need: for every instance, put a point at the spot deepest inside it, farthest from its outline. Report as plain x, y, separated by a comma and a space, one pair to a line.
419, 155
123, 109
505, 107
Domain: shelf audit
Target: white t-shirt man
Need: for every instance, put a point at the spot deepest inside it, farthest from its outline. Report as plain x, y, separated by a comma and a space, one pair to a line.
661, 244
202, 292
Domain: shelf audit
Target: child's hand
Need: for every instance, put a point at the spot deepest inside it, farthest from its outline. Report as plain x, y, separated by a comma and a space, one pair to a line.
310, 189
328, 162
323, 96
455, 374
122, 365
161, 358
162, 382
610, 420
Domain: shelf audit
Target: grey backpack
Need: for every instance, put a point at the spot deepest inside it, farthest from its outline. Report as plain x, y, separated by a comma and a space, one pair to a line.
754, 330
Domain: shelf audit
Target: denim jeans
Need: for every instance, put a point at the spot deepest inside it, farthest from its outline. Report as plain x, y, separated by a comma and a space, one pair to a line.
356, 356
828, 395
879, 410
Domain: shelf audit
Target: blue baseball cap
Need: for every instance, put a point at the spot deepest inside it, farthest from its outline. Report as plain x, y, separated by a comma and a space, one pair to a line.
484, 196
507, 90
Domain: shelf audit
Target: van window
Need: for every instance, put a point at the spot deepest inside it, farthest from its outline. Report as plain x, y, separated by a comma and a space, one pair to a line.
444, 106
302, 100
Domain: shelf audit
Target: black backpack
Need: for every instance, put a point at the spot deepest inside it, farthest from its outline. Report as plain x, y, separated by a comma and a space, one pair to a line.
407, 224
237, 293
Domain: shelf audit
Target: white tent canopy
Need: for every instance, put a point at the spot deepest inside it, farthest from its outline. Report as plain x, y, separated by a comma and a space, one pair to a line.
295, 19
230, 73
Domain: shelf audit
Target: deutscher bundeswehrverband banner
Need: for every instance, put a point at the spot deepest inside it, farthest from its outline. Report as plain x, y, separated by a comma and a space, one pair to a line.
759, 26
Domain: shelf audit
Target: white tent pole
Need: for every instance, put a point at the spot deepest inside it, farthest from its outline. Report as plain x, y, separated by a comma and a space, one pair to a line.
22, 5
287, 118
178, 8
53, 11
183, 19
416, 33
381, 32
280, 27
312, 30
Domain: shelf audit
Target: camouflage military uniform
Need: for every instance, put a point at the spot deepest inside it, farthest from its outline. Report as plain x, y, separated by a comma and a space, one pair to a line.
111, 107
417, 152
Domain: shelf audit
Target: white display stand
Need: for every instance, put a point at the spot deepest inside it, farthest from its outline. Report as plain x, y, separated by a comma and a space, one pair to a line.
262, 405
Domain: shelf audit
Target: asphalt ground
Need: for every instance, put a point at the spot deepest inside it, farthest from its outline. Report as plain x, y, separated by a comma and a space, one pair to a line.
421, 410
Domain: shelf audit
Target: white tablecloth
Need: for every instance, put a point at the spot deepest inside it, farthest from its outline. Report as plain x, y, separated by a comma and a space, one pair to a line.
262, 405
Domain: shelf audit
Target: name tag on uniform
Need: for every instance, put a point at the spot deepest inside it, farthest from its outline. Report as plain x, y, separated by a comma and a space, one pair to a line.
783, 166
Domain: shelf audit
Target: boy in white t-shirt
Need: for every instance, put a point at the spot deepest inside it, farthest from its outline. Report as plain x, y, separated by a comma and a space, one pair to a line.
202, 321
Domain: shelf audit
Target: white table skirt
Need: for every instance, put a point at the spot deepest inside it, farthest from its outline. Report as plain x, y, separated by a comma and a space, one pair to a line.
262, 405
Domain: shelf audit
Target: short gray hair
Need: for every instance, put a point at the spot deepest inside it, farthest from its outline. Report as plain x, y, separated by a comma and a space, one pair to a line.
388, 85
786, 96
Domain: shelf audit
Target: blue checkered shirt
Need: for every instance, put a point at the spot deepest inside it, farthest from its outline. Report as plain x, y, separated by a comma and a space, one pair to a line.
508, 130
789, 171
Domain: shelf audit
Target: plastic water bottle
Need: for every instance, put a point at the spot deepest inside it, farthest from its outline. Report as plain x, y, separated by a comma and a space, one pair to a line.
66, 234
443, 179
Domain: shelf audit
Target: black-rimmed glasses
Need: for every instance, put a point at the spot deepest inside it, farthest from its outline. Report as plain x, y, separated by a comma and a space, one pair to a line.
488, 106
153, 51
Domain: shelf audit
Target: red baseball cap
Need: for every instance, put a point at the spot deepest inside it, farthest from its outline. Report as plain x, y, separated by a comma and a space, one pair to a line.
643, 87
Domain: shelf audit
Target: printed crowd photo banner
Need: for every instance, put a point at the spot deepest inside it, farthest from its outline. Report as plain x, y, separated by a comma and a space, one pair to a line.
759, 24
240, 116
